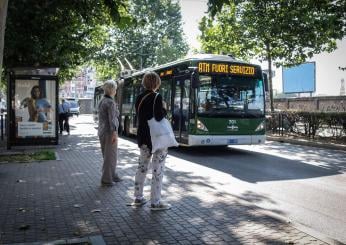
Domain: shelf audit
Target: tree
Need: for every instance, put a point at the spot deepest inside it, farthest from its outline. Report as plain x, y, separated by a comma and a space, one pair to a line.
64, 33
156, 39
283, 32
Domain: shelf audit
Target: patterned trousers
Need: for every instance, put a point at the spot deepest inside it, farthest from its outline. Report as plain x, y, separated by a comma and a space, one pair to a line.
158, 166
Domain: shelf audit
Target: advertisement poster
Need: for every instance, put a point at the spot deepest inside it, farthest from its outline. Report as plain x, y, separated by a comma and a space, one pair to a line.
35, 108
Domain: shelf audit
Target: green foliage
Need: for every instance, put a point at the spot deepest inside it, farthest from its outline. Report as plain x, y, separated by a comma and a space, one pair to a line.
106, 69
64, 33
288, 32
70, 33
155, 39
283, 32
42, 155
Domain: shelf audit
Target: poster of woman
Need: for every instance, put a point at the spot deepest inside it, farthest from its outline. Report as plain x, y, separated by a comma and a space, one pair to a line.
35, 108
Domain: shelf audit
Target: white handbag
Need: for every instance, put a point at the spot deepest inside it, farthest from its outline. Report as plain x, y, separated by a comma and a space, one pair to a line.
161, 132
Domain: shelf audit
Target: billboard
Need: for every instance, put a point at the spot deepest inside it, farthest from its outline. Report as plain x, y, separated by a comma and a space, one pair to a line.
299, 79
34, 108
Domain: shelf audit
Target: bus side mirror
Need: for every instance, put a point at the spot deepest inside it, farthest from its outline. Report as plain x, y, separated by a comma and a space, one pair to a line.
265, 81
195, 80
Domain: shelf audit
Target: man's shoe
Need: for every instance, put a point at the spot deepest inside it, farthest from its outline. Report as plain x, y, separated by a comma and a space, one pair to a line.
107, 184
117, 179
160, 206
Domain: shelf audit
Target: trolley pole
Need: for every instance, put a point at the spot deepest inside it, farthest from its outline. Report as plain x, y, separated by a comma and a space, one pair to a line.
141, 56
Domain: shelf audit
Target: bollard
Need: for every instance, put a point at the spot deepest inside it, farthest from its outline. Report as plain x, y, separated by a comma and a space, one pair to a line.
281, 130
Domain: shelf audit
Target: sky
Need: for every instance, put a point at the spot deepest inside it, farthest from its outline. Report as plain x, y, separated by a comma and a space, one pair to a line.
192, 12
328, 76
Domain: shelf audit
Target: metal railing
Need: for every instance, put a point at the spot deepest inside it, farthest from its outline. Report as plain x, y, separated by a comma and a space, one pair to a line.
307, 125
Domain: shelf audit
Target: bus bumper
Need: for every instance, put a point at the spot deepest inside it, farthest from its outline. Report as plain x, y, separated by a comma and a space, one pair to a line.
226, 139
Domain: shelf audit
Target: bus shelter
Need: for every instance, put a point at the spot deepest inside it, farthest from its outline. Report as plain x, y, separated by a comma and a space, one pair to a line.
32, 106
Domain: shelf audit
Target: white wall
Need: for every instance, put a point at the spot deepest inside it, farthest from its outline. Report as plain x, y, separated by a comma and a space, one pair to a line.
328, 75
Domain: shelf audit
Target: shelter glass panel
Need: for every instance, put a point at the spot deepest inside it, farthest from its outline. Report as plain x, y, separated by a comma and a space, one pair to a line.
34, 108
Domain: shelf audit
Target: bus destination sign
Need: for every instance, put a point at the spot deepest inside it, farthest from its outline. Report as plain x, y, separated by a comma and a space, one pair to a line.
235, 69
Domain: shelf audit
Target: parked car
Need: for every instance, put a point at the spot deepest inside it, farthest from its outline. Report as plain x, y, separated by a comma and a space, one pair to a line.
74, 106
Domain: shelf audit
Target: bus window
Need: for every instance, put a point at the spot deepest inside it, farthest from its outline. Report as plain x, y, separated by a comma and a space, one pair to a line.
166, 93
255, 97
181, 106
138, 88
128, 95
98, 94
230, 95
176, 108
186, 99
204, 94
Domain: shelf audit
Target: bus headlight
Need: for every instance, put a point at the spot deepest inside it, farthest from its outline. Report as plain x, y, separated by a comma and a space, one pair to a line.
260, 127
201, 126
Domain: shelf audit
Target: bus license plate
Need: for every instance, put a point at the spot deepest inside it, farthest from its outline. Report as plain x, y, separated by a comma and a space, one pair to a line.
233, 141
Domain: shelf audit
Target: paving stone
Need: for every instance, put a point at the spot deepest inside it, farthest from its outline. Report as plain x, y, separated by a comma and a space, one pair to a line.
199, 214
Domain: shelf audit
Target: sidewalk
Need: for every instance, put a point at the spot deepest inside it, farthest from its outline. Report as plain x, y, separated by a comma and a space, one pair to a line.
63, 199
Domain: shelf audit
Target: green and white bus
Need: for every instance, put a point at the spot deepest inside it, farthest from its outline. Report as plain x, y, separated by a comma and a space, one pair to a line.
211, 100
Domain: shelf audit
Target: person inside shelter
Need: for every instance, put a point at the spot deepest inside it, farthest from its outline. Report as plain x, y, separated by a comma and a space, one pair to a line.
64, 109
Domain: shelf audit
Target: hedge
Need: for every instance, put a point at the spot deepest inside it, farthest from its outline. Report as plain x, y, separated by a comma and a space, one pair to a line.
308, 124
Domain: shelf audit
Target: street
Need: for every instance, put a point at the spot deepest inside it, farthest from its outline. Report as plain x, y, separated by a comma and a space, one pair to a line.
305, 185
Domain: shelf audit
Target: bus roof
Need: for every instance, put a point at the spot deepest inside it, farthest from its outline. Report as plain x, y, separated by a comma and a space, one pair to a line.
196, 57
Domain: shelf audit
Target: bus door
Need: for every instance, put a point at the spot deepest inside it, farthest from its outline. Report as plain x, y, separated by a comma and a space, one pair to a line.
180, 108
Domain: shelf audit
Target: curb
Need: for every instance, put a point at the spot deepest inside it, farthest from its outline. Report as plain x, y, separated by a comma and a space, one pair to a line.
331, 146
92, 240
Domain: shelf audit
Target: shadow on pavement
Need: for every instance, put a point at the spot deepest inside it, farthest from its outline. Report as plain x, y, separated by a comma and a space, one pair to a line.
255, 167
63, 199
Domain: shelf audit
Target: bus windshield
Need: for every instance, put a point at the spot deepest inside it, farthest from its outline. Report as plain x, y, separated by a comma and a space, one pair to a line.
222, 95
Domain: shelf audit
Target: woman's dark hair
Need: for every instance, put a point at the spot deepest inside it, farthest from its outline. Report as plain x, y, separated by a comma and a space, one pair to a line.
32, 90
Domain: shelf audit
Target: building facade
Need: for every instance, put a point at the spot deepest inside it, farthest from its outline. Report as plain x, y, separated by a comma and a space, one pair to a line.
81, 86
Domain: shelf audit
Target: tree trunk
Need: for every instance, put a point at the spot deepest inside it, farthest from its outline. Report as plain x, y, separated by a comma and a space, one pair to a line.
3, 14
270, 77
